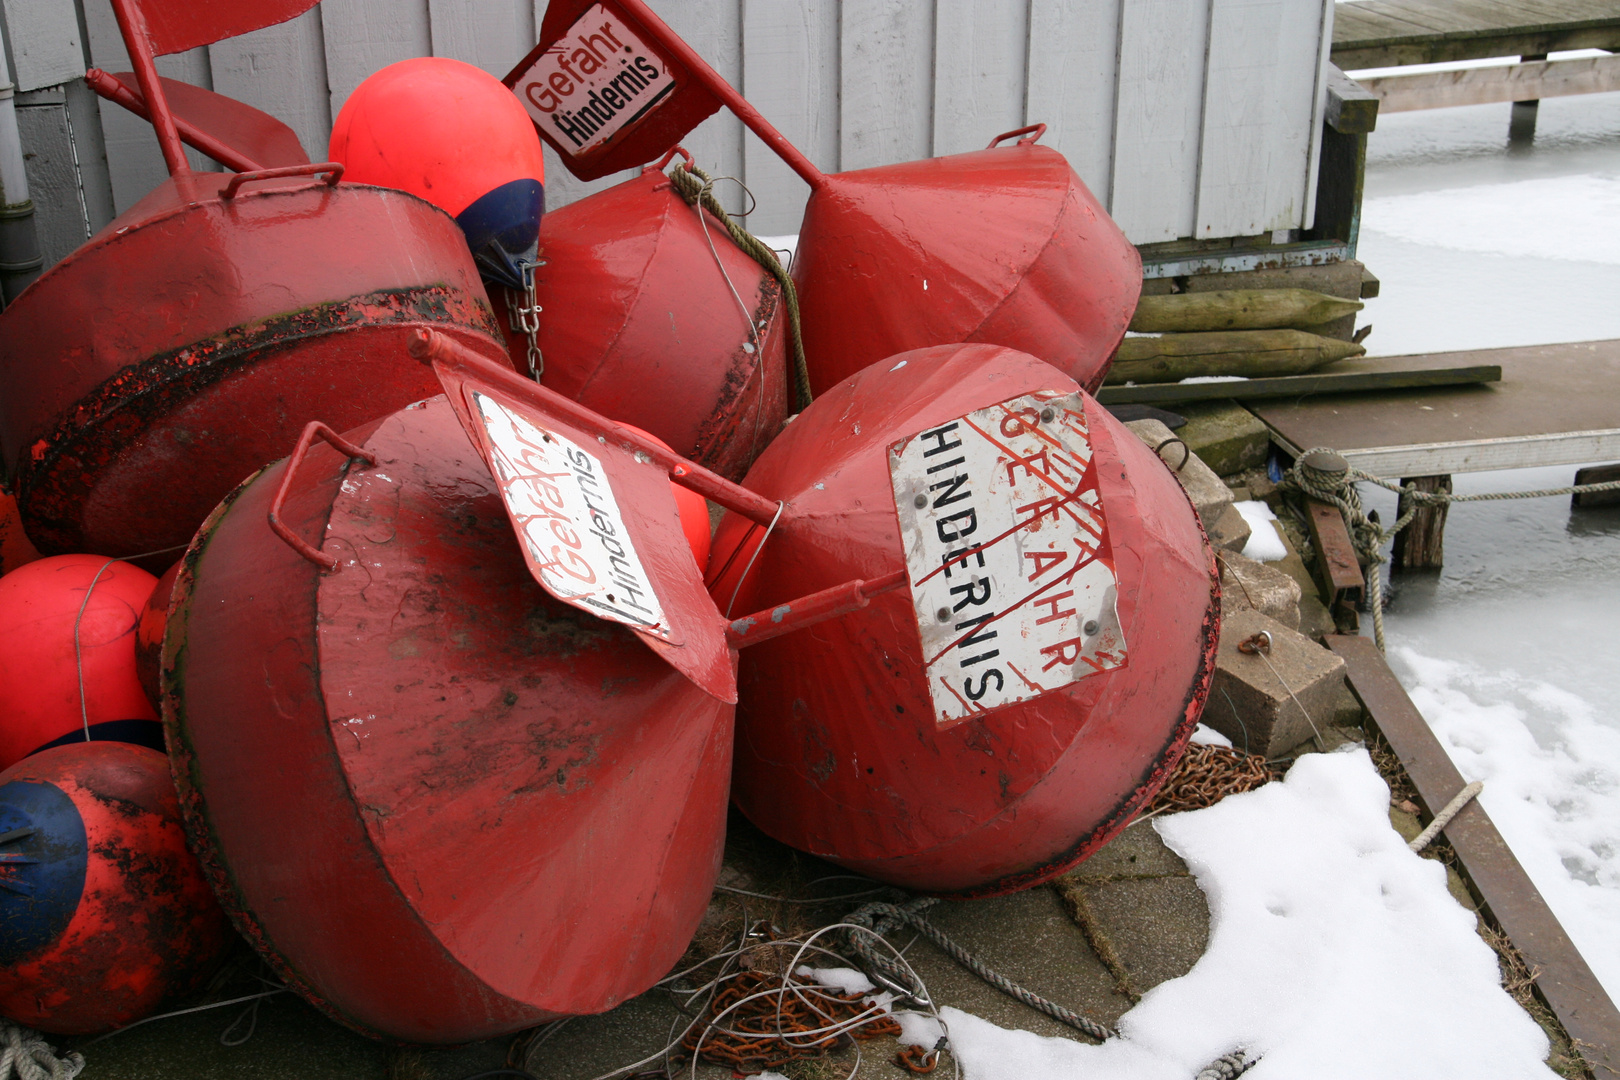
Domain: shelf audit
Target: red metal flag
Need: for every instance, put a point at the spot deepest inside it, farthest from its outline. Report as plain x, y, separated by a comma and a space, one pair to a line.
592, 507
177, 25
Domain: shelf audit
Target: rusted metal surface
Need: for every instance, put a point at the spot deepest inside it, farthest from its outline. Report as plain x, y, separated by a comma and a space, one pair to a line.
203, 334
641, 323
1498, 880
840, 752
428, 792
1337, 570
142, 931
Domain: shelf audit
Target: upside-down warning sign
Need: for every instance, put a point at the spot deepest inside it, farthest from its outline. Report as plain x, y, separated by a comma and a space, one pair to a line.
1007, 548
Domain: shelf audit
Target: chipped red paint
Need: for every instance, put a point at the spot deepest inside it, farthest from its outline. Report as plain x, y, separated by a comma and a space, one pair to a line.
838, 750
641, 326
188, 342
444, 805
147, 931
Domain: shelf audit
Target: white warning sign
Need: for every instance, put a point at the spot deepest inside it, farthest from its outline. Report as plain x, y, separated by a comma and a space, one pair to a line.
574, 536
594, 80
1011, 571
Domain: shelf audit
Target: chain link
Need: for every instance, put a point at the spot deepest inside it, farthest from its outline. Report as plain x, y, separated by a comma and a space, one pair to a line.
523, 313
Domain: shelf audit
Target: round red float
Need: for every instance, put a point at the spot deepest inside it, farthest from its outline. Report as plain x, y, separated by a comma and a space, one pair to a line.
149, 636
40, 693
107, 917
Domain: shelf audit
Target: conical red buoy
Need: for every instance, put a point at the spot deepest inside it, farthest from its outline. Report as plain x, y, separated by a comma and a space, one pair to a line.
652, 316
59, 617
1009, 713
450, 133
106, 916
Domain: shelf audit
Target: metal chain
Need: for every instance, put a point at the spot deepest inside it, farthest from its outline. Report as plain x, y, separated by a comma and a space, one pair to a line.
886, 918
1368, 536
523, 313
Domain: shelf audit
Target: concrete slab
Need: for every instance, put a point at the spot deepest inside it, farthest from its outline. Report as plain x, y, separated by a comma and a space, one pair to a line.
1269, 704
1227, 436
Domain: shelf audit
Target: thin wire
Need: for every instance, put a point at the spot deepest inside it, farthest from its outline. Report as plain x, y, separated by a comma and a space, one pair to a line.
183, 1012
78, 651
812, 900
774, 519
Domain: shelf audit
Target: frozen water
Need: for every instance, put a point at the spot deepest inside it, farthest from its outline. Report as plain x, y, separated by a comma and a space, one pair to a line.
1334, 952
1265, 543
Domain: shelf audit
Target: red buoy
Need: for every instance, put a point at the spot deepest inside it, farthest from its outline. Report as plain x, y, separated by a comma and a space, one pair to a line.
149, 636
1010, 713
107, 917
45, 607
693, 509
450, 133
444, 803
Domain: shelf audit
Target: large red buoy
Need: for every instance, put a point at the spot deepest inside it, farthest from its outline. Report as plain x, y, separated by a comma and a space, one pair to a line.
105, 912
1012, 711
450, 133
149, 636
60, 618
652, 316
434, 794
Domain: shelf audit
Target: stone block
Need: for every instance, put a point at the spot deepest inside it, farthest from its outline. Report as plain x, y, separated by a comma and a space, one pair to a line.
1247, 585
1206, 490
1267, 703
1229, 530
1227, 436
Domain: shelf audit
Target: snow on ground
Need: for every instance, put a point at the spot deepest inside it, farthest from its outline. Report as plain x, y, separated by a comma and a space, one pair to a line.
1334, 952
1265, 543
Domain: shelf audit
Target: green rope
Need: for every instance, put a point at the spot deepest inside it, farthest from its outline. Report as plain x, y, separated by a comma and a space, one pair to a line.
880, 919
697, 188
1367, 536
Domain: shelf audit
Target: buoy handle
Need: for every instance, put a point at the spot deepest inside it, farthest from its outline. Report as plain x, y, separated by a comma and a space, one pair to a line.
1029, 140
332, 169
295, 459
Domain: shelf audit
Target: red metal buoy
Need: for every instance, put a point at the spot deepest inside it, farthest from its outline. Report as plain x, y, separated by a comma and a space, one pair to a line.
1010, 713
187, 343
443, 802
104, 914
67, 655
149, 637
1004, 246
652, 316
449, 133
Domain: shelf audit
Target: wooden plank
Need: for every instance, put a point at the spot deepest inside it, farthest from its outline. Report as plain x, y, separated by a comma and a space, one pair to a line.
1073, 65
1563, 977
1162, 48
1485, 86
364, 36
1382, 33
981, 66
45, 46
886, 73
134, 163
790, 73
489, 34
714, 29
282, 70
1255, 157
1554, 404
1295, 386
1351, 108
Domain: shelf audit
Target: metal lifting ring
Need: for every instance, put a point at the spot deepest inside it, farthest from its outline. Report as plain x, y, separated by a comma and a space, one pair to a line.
1186, 451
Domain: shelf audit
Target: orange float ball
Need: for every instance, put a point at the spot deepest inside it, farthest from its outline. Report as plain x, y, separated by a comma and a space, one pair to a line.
40, 700
693, 508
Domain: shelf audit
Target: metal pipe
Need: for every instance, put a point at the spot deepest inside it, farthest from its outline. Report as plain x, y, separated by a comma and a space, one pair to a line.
115, 91
20, 258
133, 26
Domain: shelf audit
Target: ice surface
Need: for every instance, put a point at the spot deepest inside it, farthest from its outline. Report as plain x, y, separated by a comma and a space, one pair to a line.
1556, 217
1265, 543
1334, 952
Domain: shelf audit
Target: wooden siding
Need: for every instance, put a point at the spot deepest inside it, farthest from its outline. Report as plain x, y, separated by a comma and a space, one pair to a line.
1188, 118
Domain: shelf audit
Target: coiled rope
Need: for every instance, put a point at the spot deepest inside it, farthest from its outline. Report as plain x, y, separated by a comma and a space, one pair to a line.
1337, 486
697, 188
24, 1054
877, 919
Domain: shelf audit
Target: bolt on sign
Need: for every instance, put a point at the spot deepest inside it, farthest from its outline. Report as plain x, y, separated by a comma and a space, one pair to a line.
1007, 549
595, 81
562, 505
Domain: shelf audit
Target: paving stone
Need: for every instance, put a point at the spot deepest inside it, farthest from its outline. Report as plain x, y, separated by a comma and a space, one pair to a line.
1314, 617
1227, 436
1257, 586
1168, 945
1230, 530
1135, 853
1257, 701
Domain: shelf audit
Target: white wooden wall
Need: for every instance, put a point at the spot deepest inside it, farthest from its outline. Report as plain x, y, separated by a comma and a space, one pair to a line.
1187, 118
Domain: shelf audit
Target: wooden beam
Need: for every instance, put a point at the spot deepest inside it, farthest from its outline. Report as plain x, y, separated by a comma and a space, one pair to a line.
1596, 474
1421, 545
1386, 33
1488, 85
1563, 977
1291, 386
1351, 109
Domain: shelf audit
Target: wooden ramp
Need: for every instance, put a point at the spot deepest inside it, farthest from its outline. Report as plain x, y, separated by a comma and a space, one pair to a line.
1385, 33
1554, 405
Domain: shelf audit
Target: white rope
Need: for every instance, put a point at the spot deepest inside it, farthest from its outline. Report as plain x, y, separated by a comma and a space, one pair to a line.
1443, 818
26, 1056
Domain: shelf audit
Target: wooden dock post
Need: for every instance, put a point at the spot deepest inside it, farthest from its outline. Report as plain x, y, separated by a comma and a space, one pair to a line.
1421, 545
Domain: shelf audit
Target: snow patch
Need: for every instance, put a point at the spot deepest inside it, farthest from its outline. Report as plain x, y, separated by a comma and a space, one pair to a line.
1265, 543
1213, 378
844, 980
1207, 735
1334, 952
